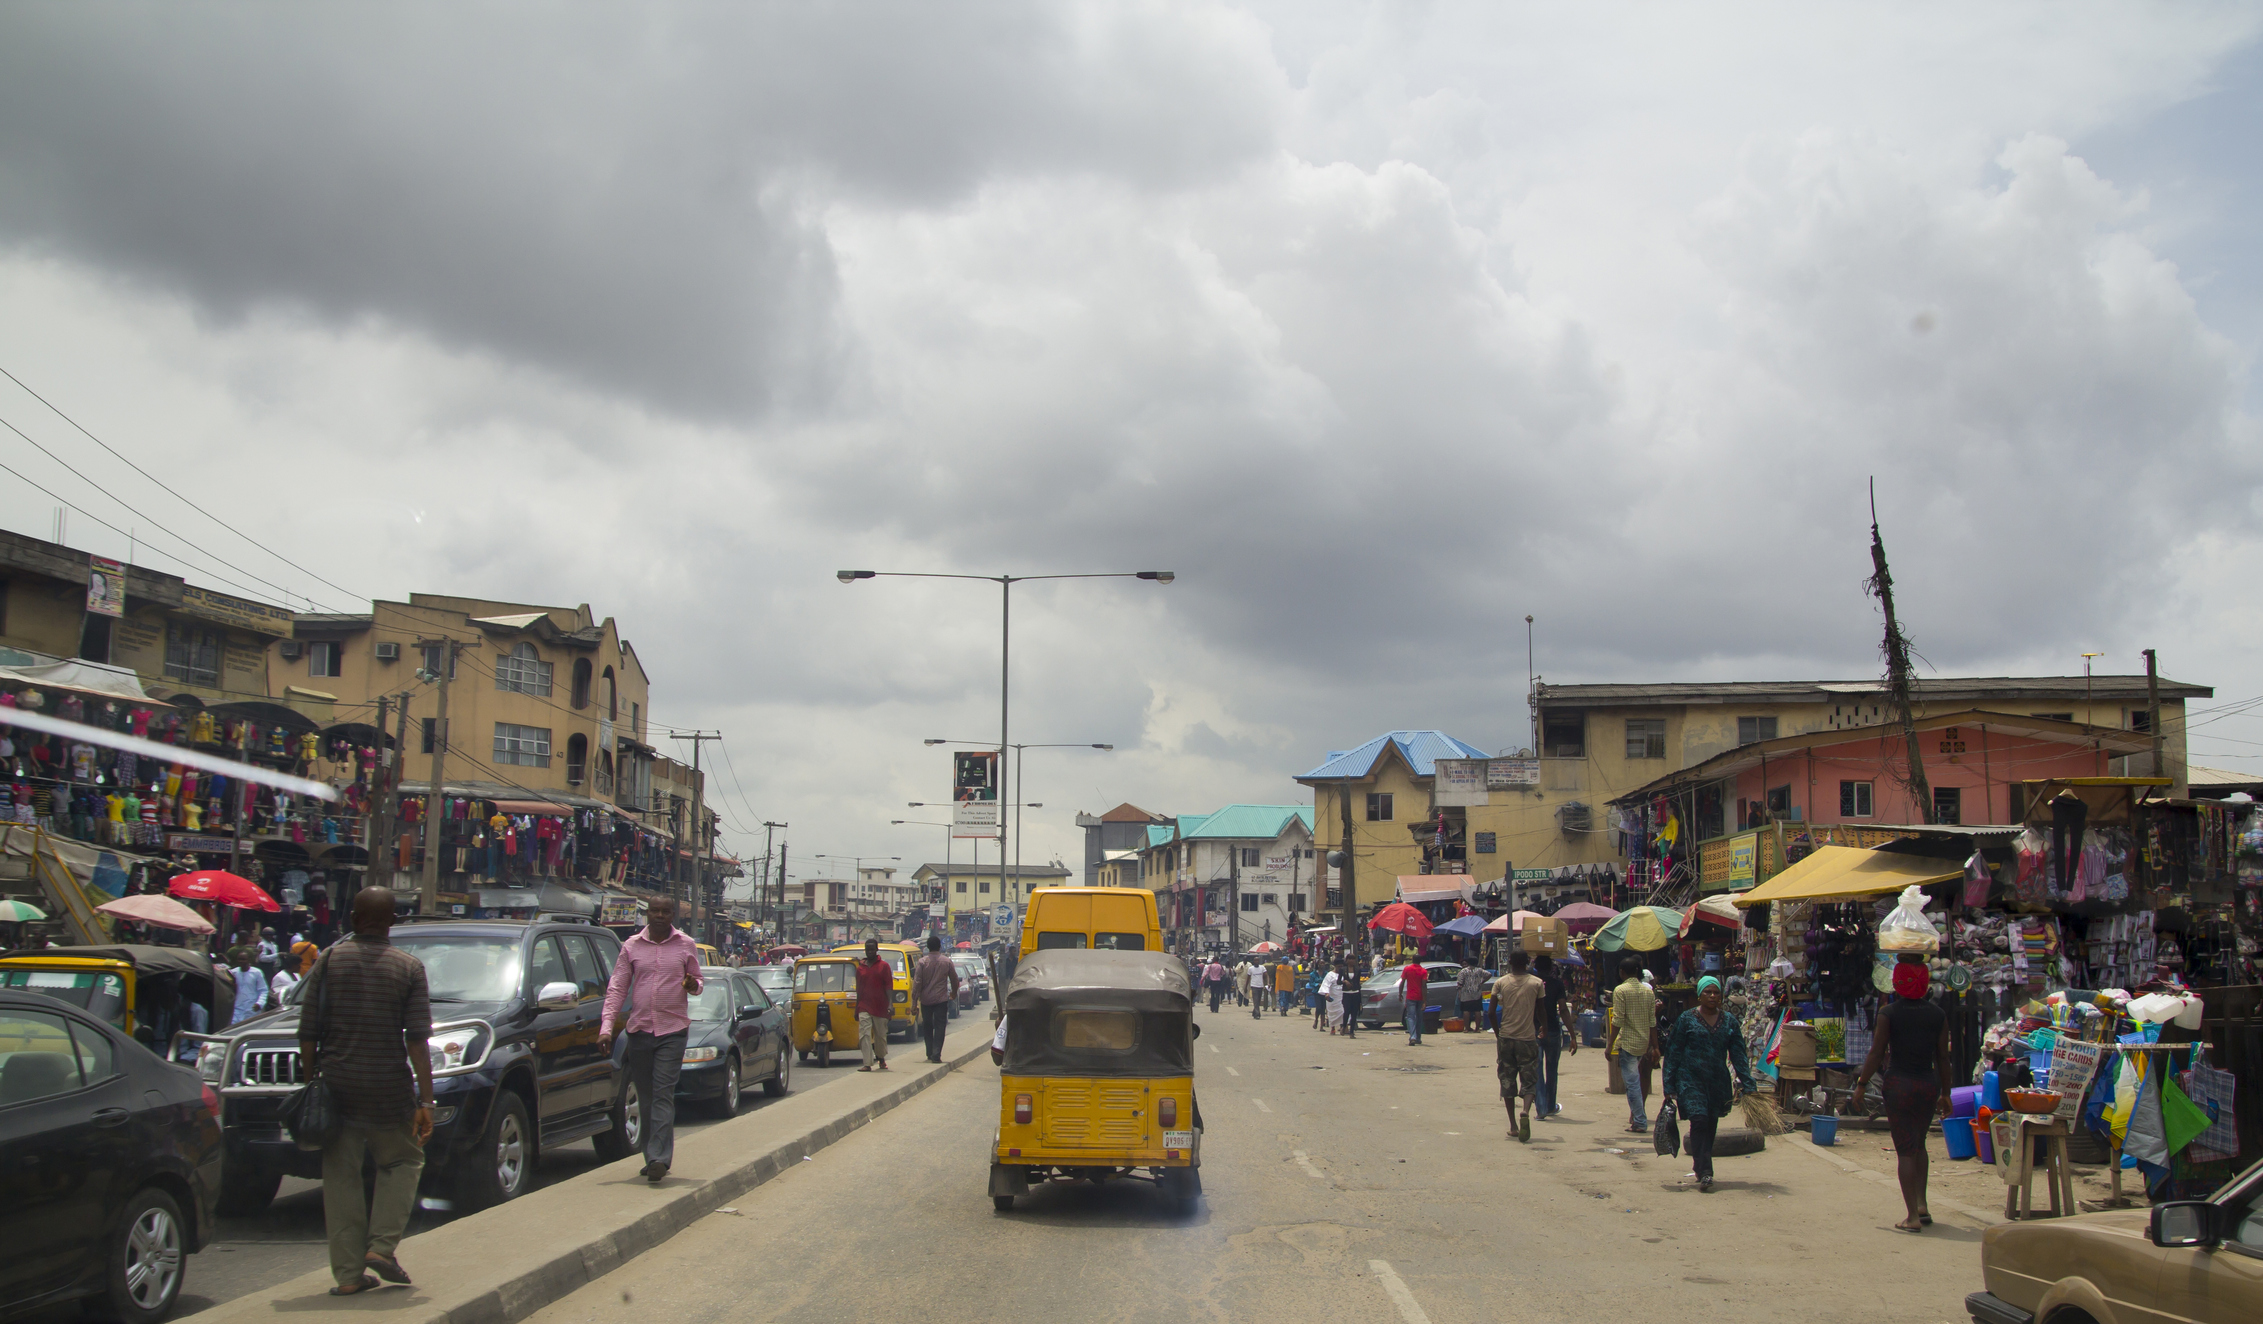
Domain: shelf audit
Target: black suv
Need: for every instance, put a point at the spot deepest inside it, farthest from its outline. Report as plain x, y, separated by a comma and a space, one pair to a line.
517, 1066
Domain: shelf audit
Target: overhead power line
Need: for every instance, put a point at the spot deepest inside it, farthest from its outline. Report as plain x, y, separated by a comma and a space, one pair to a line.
176, 495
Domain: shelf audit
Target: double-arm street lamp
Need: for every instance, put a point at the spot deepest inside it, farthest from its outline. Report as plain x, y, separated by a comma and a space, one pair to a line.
1019, 785
1005, 585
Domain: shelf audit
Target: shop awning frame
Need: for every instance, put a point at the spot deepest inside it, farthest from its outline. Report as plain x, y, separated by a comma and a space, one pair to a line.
1844, 873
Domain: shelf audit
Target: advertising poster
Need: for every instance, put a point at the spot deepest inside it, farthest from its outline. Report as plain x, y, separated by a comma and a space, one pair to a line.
1459, 782
974, 793
105, 587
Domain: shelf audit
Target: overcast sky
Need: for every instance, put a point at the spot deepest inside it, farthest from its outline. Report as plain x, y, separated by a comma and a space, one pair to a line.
1383, 326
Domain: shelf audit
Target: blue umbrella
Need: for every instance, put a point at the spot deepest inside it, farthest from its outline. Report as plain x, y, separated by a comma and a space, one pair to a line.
1468, 926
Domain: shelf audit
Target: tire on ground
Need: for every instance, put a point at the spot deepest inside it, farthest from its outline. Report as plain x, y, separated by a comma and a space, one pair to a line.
482, 1183
1731, 1142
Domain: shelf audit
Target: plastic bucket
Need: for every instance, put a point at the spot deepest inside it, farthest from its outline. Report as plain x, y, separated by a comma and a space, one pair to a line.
1964, 1101
1985, 1142
1823, 1130
1958, 1132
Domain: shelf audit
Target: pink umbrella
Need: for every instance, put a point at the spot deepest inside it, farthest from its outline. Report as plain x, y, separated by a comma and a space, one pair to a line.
164, 912
1585, 917
1266, 947
219, 885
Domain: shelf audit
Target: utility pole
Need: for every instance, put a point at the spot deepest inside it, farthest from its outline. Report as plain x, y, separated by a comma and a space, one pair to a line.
762, 901
1234, 901
428, 889
1348, 917
2153, 708
781, 888
1531, 688
698, 825
1896, 648
378, 827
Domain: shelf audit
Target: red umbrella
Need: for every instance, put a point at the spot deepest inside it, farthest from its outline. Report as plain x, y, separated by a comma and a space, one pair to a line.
1581, 916
1399, 917
221, 886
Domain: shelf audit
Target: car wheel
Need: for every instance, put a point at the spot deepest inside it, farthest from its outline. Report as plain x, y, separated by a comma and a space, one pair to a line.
727, 1102
627, 1135
143, 1277
782, 1080
498, 1168
1180, 1187
244, 1189
1004, 1204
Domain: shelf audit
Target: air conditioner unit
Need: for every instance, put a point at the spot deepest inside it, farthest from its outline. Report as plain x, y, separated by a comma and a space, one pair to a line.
291, 650
388, 652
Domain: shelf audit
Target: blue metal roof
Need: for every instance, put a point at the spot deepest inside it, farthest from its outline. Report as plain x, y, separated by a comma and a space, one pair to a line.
1248, 822
1421, 749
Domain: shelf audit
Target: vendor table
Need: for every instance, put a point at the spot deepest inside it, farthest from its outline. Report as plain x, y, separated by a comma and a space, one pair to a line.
2015, 1135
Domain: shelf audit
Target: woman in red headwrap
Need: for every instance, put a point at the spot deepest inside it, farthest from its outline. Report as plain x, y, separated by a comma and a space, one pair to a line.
1911, 1042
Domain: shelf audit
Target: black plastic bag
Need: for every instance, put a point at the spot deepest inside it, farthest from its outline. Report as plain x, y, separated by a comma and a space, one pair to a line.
310, 1112
1666, 1132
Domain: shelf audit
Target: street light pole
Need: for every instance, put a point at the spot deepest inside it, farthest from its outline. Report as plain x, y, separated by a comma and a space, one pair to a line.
1018, 805
1005, 670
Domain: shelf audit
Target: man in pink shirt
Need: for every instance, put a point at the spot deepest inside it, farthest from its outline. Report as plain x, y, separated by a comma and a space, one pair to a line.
656, 972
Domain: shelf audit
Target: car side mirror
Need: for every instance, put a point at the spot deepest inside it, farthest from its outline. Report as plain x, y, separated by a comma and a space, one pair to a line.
750, 1010
2184, 1223
559, 996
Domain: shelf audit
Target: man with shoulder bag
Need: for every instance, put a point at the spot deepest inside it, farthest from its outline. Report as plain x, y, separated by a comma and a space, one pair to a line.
363, 1030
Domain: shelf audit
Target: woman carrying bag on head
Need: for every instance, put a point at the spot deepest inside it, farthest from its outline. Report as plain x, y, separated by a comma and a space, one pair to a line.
1701, 1048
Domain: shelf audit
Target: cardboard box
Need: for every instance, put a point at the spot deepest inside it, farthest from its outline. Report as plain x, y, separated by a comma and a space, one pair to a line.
1547, 935
1797, 1048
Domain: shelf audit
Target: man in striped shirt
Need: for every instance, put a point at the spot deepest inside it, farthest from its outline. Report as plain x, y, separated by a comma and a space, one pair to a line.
375, 1016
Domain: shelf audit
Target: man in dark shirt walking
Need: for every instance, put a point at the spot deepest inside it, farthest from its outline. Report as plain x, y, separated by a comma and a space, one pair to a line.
935, 983
375, 1018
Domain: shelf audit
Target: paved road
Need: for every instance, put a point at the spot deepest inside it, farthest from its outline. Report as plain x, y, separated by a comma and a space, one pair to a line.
257, 1252
1344, 1179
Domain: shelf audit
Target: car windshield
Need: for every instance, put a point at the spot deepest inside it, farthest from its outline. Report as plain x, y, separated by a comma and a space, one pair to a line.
465, 967
99, 993
823, 977
713, 1002
773, 978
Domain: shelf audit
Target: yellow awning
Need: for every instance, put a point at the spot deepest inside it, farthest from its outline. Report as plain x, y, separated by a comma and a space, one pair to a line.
1834, 873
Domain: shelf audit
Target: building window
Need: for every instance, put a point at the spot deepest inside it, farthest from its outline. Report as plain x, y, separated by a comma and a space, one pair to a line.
432, 654
324, 657
1272, 898
2141, 719
1306, 853
962, 887
636, 720
1563, 735
1948, 804
1249, 857
94, 638
1751, 729
1854, 799
607, 696
1378, 806
526, 746
191, 654
429, 726
2054, 717
604, 783
1646, 737
523, 669
983, 886
581, 682
577, 758
1249, 901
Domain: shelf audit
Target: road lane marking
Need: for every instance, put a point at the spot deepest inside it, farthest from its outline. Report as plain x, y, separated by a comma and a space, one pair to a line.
1231, 1072
1410, 1310
1213, 1048
1304, 1161
1261, 1105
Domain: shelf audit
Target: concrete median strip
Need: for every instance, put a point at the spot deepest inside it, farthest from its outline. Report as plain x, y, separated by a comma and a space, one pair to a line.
505, 1263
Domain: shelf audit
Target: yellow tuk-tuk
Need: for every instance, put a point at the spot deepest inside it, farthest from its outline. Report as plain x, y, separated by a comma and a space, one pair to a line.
1098, 1077
903, 1017
145, 991
824, 1015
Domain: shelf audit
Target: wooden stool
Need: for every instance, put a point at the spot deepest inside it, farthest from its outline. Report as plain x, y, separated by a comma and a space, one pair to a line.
2058, 1172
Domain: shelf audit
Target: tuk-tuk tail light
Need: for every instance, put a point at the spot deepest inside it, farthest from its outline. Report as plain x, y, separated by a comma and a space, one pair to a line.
1023, 1107
1167, 1112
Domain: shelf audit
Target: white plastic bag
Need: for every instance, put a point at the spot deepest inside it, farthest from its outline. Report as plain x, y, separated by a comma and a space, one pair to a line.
1905, 928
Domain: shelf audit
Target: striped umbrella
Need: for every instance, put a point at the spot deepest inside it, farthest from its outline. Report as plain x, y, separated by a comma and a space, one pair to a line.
13, 911
1639, 929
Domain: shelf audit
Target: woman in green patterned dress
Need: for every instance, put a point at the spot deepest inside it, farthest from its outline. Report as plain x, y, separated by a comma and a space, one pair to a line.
1703, 1044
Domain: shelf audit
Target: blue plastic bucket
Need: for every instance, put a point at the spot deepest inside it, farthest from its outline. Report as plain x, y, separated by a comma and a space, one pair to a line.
1824, 1130
1958, 1132
1964, 1101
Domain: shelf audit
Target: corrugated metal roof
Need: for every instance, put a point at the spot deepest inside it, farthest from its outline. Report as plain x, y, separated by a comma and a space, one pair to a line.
1421, 749
1249, 822
1938, 689
1159, 834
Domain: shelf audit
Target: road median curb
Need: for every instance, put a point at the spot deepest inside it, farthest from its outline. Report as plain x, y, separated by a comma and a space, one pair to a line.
501, 1265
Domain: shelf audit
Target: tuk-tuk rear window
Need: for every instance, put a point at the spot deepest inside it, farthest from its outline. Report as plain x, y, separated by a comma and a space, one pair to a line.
1096, 1030
1120, 942
1048, 942
823, 977
99, 993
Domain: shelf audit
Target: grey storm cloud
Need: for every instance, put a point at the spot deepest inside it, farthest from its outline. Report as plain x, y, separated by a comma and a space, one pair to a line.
1384, 326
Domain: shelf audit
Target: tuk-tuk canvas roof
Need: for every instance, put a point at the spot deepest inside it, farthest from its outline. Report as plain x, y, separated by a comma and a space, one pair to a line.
1140, 981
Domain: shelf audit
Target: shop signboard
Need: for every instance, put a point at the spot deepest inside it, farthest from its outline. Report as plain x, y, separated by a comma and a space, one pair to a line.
105, 586
620, 910
242, 613
1740, 859
1509, 774
1276, 863
1534, 875
202, 845
1001, 915
1459, 782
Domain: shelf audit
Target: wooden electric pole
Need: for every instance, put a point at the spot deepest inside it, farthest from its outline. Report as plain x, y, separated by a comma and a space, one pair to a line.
698, 826
1896, 648
2153, 709
1348, 916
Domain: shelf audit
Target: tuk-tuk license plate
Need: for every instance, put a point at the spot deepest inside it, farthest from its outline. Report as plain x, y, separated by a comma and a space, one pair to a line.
1178, 1140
